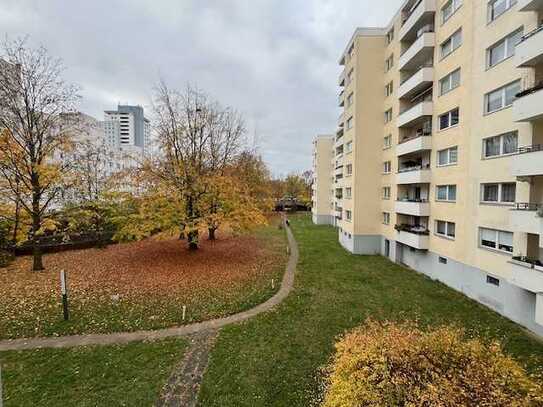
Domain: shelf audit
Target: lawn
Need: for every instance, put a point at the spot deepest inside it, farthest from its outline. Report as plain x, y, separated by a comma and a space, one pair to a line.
276, 359
116, 375
142, 285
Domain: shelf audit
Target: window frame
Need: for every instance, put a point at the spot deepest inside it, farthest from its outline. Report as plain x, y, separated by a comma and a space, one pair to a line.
501, 138
386, 193
388, 116
348, 170
496, 247
387, 164
449, 119
447, 227
448, 188
454, 46
491, 17
500, 195
456, 4
503, 97
386, 218
449, 78
507, 43
387, 142
449, 162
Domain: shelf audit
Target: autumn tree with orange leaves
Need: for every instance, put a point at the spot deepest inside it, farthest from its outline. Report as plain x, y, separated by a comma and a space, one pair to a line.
33, 96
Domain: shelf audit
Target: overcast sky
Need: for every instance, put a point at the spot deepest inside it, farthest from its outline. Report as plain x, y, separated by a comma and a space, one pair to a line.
275, 61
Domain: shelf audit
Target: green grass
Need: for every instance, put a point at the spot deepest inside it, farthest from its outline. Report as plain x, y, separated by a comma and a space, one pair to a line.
115, 375
275, 358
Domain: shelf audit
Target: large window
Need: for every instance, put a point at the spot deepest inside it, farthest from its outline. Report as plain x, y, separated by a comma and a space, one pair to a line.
502, 97
448, 156
387, 167
498, 192
449, 9
497, 7
451, 43
446, 193
447, 229
449, 119
449, 82
504, 144
386, 192
503, 49
496, 239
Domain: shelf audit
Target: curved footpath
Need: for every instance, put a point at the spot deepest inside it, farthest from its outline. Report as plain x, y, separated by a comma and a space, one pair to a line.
185, 330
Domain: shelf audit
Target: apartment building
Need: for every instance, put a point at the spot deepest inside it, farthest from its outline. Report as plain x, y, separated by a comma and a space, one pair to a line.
322, 202
440, 137
127, 127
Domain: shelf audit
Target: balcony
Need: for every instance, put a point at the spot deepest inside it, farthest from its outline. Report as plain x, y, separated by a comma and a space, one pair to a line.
341, 99
530, 5
419, 52
341, 81
524, 219
419, 16
416, 113
339, 170
529, 51
414, 175
413, 207
528, 162
421, 80
527, 273
413, 145
340, 120
413, 236
529, 104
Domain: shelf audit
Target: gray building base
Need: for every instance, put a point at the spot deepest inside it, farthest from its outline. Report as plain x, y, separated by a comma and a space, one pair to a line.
323, 219
506, 299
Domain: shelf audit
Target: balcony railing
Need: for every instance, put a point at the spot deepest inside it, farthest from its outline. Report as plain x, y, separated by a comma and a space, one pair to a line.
413, 200
528, 206
416, 136
416, 70
414, 168
531, 90
530, 149
530, 262
425, 97
426, 30
530, 34
414, 229
407, 14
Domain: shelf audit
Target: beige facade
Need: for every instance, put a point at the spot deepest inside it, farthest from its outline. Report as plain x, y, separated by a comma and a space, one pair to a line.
442, 130
322, 199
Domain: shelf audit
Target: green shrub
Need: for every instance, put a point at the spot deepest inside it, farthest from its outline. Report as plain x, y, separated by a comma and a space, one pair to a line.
400, 365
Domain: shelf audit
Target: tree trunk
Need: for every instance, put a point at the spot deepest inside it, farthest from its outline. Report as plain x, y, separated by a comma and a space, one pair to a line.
37, 263
193, 240
16, 224
182, 235
211, 233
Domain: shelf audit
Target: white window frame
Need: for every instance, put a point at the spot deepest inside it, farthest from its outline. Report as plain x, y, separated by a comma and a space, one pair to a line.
386, 218
349, 170
503, 92
388, 116
350, 99
448, 226
390, 36
386, 193
448, 79
455, 5
500, 200
509, 47
498, 239
501, 138
349, 123
389, 89
348, 215
449, 162
389, 63
448, 193
456, 40
387, 167
449, 119
348, 147
387, 142
508, 5
348, 193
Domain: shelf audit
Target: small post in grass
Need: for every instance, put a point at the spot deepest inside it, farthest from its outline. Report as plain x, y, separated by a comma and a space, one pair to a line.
184, 311
273, 284
1, 397
64, 291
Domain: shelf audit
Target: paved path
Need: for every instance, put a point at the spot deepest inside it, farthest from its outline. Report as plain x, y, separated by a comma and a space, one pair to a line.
183, 386
186, 330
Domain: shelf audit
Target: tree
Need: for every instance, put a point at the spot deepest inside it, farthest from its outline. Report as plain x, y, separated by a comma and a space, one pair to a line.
198, 140
33, 96
251, 170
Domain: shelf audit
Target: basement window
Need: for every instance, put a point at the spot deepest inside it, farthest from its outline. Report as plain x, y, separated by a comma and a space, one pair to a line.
443, 260
493, 281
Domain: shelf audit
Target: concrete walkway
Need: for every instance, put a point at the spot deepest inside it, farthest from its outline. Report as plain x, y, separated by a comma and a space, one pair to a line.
186, 330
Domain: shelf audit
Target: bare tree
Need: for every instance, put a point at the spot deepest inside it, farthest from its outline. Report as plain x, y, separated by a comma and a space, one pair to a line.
33, 96
198, 140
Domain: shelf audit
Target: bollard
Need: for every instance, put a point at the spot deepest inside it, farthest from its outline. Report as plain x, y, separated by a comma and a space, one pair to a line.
64, 291
273, 284
184, 311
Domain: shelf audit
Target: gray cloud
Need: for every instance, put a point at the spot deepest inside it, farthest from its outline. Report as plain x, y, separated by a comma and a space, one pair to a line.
275, 61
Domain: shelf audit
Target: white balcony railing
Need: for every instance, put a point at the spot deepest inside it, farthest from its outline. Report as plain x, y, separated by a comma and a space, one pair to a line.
528, 162
413, 207
412, 237
529, 51
421, 14
422, 143
527, 275
417, 175
416, 83
529, 104
415, 113
419, 52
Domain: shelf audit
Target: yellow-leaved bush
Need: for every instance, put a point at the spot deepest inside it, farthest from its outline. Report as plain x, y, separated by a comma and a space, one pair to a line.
398, 364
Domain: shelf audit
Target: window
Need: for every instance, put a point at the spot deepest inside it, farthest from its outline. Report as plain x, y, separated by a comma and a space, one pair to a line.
390, 35
389, 88
350, 76
388, 115
449, 82
349, 147
349, 123
389, 63
451, 44
386, 218
348, 193
449, 119
498, 193
449, 9
386, 192
387, 167
448, 156
443, 260
387, 142
497, 7
349, 169
504, 144
496, 239
350, 99
447, 229
493, 281
501, 98
503, 49
446, 193
348, 215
